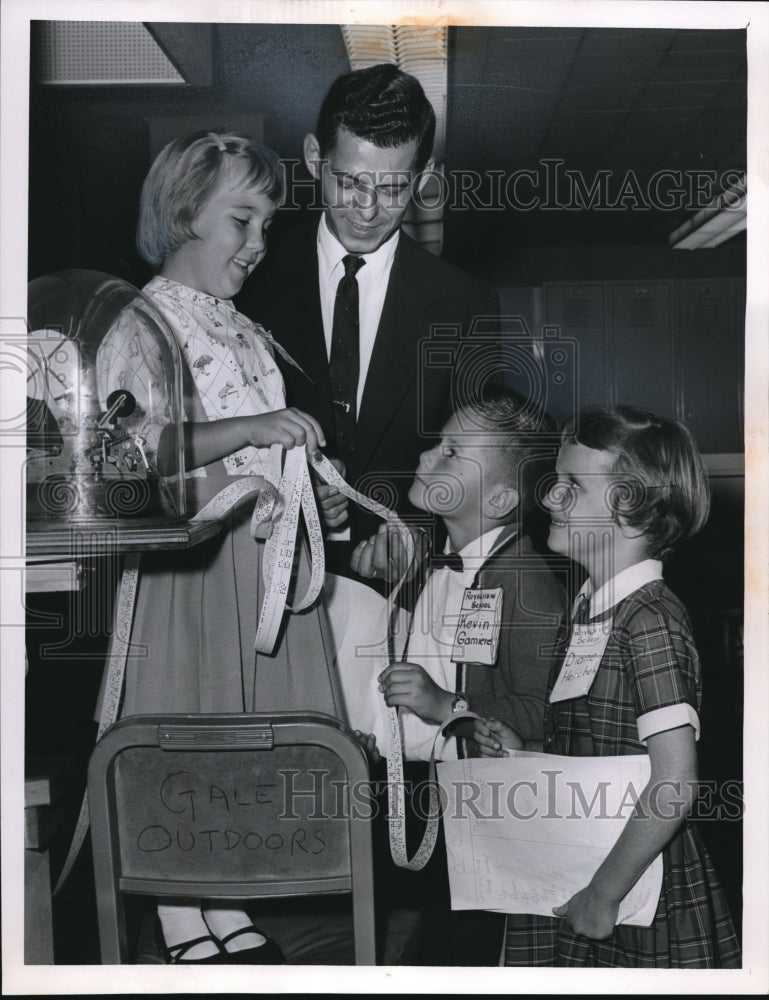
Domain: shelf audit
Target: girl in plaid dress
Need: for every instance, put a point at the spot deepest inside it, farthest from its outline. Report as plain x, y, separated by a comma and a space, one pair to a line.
629, 487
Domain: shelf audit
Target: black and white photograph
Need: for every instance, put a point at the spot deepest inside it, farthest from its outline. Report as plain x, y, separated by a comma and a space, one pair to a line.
384, 530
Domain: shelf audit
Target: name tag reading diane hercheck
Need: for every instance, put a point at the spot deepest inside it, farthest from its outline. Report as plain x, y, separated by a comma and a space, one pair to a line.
583, 657
477, 636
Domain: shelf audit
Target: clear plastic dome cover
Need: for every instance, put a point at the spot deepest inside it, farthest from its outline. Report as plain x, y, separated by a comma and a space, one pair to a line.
104, 399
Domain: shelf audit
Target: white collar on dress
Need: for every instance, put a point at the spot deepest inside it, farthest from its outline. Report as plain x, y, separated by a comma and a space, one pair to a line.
161, 283
620, 586
331, 252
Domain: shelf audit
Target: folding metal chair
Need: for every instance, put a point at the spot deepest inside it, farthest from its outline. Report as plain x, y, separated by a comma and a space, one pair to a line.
230, 807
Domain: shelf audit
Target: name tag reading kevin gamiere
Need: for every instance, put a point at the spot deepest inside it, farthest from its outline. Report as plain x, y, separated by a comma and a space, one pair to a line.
477, 636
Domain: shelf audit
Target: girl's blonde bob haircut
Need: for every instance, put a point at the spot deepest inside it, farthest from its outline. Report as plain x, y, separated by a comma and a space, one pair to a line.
182, 179
662, 487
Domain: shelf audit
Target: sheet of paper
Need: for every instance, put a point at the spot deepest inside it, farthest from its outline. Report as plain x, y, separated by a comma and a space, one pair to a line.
524, 833
358, 616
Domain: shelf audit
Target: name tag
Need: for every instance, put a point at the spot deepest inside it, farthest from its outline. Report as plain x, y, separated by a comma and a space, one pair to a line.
477, 636
580, 665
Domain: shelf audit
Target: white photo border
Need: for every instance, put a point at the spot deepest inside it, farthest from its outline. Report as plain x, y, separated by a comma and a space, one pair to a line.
16, 16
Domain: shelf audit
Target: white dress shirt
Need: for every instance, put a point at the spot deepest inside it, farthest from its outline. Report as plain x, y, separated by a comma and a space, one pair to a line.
433, 628
372, 288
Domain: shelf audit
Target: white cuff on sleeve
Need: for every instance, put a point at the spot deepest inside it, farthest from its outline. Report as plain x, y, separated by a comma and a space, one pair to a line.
670, 717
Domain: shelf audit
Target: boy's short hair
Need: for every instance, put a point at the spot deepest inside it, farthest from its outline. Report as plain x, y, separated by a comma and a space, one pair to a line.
664, 491
182, 179
382, 105
523, 434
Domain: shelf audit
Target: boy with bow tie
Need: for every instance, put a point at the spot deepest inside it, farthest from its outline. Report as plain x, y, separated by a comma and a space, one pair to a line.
487, 616
480, 639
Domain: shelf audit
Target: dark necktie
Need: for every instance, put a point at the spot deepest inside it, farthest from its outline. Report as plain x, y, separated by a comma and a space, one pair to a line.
344, 362
447, 560
582, 611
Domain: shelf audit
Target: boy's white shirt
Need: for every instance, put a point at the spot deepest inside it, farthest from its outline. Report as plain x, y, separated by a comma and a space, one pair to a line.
608, 596
431, 639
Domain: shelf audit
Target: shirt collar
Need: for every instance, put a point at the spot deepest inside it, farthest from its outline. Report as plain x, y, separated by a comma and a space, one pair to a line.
620, 586
162, 284
331, 252
476, 552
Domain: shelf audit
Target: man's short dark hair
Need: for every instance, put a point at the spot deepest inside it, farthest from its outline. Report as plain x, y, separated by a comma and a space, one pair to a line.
382, 105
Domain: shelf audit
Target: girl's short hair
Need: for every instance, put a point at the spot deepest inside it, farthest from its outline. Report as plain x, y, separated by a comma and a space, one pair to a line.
664, 489
182, 179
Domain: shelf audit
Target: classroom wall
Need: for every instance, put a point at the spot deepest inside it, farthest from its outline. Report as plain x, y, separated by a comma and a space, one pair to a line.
90, 149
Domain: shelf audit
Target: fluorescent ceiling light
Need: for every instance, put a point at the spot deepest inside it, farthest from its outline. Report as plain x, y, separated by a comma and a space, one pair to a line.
723, 218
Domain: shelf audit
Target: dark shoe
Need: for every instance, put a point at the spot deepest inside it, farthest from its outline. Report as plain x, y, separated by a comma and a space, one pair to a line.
264, 954
175, 954
150, 949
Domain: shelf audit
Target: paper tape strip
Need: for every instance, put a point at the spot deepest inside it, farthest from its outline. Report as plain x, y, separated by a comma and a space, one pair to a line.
395, 795
232, 494
115, 668
395, 786
396, 803
280, 547
297, 494
282, 504
117, 655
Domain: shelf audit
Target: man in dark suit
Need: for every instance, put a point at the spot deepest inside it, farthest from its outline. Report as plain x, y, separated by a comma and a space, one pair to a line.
415, 336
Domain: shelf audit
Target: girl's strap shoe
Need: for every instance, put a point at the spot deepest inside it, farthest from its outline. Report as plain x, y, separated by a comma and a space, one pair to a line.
175, 954
266, 954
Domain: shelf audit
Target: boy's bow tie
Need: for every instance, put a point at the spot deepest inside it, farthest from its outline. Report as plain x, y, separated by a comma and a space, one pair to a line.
447, 560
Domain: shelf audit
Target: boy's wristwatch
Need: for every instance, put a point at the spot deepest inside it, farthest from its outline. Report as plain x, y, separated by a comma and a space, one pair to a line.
460, 703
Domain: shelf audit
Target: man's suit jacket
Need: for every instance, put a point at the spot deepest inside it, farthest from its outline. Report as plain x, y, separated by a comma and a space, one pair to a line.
421, 363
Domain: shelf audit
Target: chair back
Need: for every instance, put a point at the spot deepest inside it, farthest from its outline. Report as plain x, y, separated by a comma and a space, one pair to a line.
230, 807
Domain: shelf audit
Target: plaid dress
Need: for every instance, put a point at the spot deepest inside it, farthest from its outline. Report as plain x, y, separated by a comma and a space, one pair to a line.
650, 663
